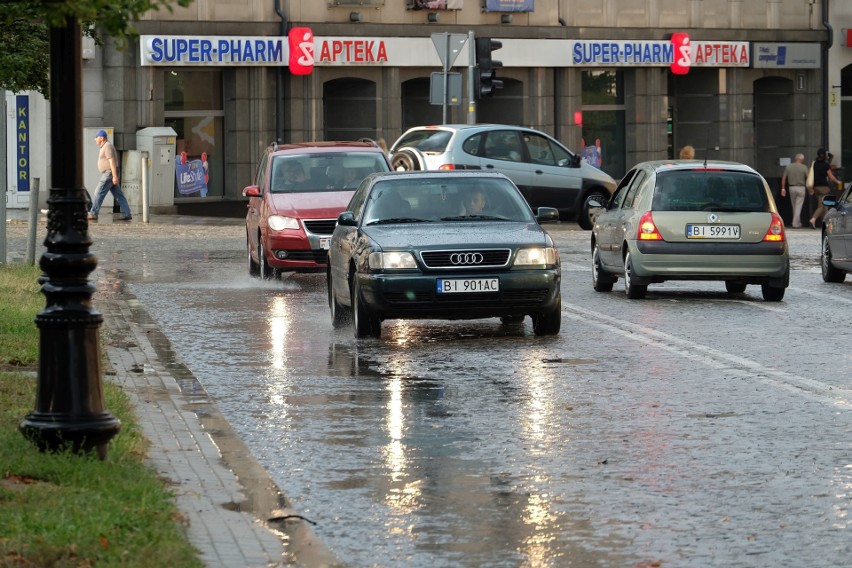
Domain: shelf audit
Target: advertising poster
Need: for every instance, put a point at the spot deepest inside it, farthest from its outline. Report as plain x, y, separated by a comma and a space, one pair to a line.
192, 175
593, 154
436, 4
510, 5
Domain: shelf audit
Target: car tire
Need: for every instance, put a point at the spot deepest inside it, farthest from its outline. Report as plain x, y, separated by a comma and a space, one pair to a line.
549, 322
405, 161
772, 293
253, 267
829, 272
265, 272
511, 320
601, 280
586, 219
339, 314
734, 287
633, 291
364, 323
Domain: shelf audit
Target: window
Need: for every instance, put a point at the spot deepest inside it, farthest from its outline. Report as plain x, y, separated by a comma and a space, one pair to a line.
633, 191
604, 120
543, 151
503, 145
193, 108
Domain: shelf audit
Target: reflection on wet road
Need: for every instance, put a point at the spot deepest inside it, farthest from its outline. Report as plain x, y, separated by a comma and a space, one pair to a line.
684, 430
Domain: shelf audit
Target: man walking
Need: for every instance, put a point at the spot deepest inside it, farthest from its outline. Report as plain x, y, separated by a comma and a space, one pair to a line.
108, 166
793, 183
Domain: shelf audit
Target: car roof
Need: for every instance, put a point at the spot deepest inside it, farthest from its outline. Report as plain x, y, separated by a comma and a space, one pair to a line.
468, 127
670, 165
323, 147
419, 174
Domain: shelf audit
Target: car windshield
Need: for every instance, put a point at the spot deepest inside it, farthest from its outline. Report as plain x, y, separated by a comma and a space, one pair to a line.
426, 140
331, 171
445, 199
709, 190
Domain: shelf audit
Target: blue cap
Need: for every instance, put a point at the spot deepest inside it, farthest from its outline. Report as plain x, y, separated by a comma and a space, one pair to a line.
101, 133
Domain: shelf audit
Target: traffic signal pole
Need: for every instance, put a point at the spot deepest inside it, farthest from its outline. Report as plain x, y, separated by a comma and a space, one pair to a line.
471, 78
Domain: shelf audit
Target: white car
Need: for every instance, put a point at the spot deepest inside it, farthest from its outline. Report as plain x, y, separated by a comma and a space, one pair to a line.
547, 173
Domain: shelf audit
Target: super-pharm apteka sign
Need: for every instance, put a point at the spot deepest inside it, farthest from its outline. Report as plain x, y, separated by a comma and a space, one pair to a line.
302, 51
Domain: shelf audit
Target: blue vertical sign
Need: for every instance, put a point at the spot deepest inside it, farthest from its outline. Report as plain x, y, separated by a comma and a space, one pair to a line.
22, 138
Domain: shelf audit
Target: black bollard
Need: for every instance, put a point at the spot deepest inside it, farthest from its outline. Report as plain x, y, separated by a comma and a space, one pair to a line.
69, 411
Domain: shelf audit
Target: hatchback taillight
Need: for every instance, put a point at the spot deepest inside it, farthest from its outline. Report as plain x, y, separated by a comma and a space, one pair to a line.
647, 229
775, 233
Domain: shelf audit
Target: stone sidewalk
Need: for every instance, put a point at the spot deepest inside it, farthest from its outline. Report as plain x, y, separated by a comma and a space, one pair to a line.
234, 513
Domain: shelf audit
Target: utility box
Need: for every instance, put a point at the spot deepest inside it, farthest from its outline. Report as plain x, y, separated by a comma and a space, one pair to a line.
131, 179
159, 143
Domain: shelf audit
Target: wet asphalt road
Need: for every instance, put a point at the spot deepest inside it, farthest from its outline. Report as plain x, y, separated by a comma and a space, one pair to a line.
692, 428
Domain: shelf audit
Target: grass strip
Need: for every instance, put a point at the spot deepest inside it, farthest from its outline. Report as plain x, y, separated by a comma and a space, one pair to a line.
62, 509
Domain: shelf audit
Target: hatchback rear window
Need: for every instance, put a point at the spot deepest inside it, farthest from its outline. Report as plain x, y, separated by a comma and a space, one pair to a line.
426, 140
716, 190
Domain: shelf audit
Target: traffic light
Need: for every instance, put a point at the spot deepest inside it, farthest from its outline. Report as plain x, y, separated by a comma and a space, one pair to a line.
486, 67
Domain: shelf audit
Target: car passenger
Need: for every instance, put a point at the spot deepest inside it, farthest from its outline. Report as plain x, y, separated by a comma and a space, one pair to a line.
290, 177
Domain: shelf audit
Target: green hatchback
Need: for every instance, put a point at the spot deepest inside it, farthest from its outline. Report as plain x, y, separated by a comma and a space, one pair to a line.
691, 220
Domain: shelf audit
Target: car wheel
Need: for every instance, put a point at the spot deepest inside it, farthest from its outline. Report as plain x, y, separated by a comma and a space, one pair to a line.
253, 268
265, 272
405, 161
549, 322
363, 321
511, 320
588, 215
772, 293
339, 314
601, 281
829, 272
634, 291
734, 287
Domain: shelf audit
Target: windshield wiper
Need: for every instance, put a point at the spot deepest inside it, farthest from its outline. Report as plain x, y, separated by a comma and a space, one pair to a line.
398, 220
475, 218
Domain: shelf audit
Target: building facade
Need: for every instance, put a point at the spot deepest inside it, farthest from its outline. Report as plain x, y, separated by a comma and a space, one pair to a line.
618, 80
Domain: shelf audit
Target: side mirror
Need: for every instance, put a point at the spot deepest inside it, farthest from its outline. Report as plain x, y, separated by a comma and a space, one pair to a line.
251, 191
347, 219
595, 204
547, 215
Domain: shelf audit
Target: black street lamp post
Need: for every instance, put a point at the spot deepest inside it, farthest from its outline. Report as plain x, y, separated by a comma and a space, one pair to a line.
69, 411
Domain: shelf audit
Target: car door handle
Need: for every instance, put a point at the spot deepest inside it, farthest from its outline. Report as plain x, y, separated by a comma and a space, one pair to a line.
489, 166
539, 172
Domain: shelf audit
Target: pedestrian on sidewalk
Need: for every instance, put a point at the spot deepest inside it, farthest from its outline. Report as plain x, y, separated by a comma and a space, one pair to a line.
822, 177
793, 184
108, 166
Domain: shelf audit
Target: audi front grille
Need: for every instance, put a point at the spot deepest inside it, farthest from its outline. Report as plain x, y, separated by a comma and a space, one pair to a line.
469, 258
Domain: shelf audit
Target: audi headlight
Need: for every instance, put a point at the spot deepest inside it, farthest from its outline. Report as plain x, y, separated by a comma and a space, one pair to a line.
279, 223
536, 256
391, 261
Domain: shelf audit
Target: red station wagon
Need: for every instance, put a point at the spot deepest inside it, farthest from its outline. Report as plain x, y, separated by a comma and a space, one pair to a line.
298, 192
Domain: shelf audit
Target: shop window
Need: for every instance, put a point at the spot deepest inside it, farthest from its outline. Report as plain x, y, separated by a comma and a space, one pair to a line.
505, 107
604, 121
416, 108
846, 122
349, 109
774, 131
193, 108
